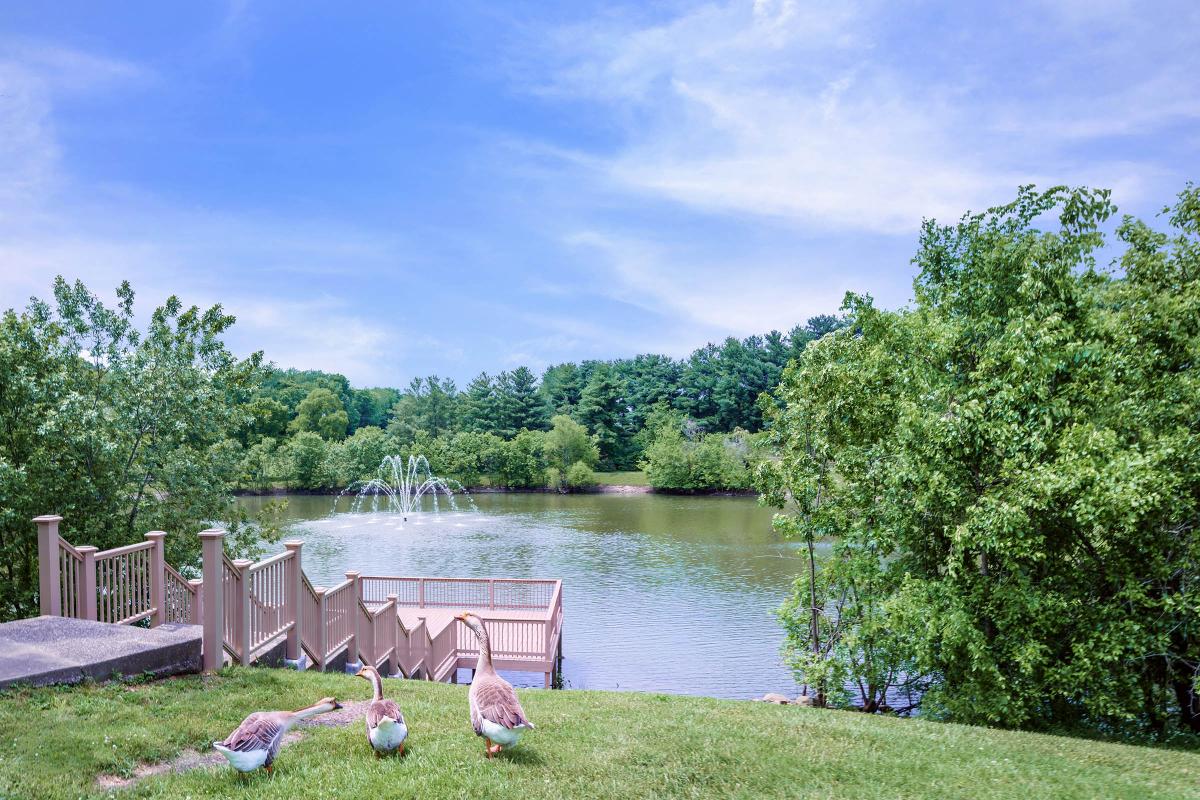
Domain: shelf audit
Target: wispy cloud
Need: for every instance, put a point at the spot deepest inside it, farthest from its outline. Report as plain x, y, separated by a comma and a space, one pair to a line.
798, 112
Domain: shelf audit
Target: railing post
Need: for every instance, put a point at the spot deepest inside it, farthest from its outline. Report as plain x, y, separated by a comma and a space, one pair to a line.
213, 602
197, 617
294, 605
243, 611
322, 626
426, 644
420, 592
492, 593
352, 646
158, 577
87, 591
390, 622
49, 592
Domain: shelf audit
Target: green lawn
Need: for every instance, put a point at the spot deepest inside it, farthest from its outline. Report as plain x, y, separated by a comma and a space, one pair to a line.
588, 744
622, 478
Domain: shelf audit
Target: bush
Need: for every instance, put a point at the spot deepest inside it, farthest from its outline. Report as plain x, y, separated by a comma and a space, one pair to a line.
580, 475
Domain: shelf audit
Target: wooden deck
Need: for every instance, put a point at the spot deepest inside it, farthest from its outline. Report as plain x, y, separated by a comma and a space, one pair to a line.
400, 624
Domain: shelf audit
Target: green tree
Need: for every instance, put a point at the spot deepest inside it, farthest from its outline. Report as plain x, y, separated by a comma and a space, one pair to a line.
518, 405
307, 457
1022, 447
479, 410
321, 412
601, 409
568, 443
118, 430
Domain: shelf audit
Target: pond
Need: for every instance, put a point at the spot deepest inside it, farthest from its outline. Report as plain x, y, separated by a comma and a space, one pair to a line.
660, 593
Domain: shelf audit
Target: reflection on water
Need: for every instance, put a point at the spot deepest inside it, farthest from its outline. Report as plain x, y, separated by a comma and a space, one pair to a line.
661, 593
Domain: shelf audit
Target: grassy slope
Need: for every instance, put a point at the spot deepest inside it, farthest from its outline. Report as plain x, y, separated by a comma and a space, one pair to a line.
588, 744
622, 478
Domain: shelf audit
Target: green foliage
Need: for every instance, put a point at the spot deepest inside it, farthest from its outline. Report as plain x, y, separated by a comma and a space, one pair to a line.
518, 406
1022, 446
519, 461
118, 430
568, 442
321, 412
306, 458
579, 475
601, 408
678, 461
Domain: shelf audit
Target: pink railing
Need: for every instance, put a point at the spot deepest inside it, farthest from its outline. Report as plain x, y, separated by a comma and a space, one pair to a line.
442, 652
70, 570
123, 584
410, 647
459, 593
268, 613
246, 608
231, 585
182, 597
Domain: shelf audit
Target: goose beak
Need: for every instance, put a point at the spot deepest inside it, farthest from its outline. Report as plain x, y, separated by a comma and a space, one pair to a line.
360, 673
462, 617
336, 705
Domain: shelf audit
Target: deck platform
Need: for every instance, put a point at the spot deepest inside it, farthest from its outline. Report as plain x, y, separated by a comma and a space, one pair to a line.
48, 649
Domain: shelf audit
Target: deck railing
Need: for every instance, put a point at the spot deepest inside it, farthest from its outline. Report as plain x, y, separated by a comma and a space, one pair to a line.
247, 609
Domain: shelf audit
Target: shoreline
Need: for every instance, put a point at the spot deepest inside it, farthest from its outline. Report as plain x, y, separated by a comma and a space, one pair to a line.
597, 489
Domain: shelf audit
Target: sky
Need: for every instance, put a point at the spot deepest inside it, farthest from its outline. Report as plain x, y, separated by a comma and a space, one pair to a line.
394, 190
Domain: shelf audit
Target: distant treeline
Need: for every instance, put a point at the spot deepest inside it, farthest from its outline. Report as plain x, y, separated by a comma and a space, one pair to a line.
688, 422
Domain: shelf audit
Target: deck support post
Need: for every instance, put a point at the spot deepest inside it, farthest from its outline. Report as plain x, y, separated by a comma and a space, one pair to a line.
212, 600
292, 595
158, 577
87, 589
49, 592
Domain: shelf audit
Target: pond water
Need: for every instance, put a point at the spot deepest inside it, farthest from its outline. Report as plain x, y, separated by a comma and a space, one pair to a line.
660, 593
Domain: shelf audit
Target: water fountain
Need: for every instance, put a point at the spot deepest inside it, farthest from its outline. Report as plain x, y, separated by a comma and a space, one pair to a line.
403, 483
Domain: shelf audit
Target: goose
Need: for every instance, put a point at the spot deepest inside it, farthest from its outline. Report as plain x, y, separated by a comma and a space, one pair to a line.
256, 741
386, 730
496, 713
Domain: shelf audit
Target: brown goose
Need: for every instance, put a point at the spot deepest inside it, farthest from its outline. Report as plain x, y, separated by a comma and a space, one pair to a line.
386, 730
496, 713
256, 741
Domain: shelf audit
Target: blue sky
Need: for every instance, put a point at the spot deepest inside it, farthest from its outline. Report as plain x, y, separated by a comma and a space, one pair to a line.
452, 187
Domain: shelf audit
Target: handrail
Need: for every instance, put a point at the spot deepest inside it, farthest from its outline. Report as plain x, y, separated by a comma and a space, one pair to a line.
124, 550
275, 559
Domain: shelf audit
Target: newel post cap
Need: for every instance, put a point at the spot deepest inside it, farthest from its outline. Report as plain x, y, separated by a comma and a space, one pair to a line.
48, 518
212, 533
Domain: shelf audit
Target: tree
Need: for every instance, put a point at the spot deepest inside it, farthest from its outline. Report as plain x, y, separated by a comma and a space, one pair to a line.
118, 430
1021, 446
567, 443
518, 405
601, 409
560, 388
479, 405
263, 417
307, 458
321, 412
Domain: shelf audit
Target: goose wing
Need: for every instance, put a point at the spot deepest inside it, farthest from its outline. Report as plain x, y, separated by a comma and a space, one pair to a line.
379, 709
495, 700
262, 730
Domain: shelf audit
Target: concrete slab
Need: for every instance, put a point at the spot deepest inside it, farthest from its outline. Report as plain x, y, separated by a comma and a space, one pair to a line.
46, 650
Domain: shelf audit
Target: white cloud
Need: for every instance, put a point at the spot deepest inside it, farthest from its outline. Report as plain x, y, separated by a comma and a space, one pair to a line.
803, 114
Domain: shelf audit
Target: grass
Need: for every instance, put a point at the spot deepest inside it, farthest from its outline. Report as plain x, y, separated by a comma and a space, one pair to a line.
588, 744
622, 478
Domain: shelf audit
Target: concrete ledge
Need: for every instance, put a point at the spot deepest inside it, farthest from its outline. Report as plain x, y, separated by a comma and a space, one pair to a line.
46, 650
